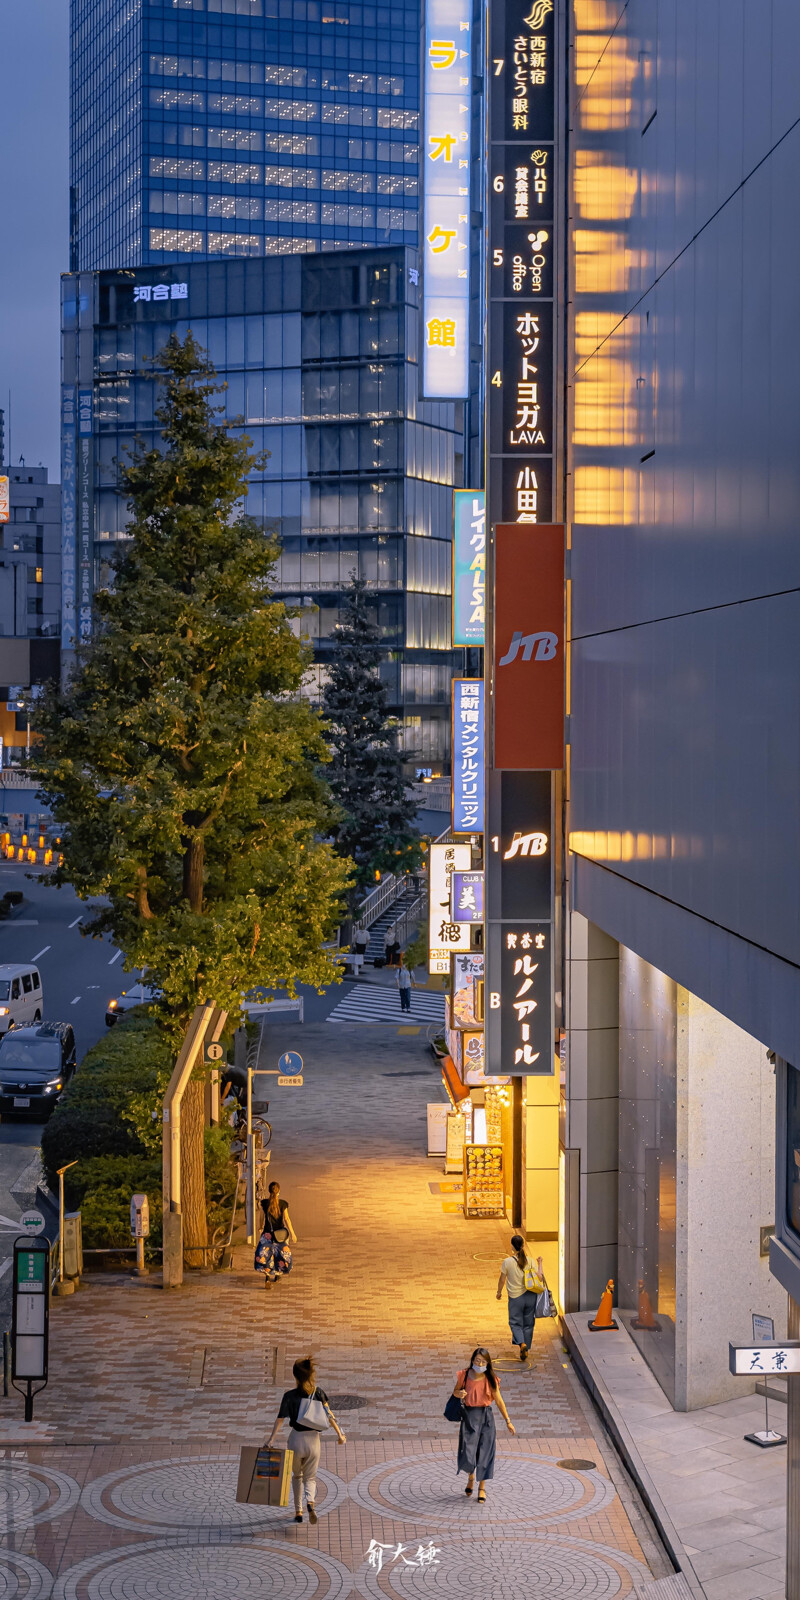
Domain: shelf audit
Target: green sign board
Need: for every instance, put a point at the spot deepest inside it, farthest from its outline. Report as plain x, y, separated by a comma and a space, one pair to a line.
31, 1269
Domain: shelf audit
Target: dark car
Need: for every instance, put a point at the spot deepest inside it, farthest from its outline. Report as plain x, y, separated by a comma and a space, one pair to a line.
35, 1065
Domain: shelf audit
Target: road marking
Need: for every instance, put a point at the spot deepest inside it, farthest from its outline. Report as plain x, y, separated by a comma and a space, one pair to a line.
23, 922
6, 1264
75, 1001
77, 920
93, 986
41, 953
115, 958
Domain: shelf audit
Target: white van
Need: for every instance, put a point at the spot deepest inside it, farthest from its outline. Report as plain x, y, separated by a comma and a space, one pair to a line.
21, 998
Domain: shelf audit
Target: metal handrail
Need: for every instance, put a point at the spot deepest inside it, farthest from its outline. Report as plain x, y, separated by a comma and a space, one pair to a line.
412, 915
378, 899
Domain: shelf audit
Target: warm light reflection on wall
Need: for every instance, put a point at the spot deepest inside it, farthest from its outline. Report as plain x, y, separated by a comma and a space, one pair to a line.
604, 190
605, 495
601, 262
604, 68
610, 846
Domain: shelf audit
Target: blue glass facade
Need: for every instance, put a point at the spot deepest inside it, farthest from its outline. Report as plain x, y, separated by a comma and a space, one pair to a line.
320, 358
204, 128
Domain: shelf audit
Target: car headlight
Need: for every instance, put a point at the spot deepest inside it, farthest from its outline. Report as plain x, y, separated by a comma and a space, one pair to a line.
112, 1005
55, 1083
3, 1011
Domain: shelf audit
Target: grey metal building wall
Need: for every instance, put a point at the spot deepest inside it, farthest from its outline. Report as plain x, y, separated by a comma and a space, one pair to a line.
685, 759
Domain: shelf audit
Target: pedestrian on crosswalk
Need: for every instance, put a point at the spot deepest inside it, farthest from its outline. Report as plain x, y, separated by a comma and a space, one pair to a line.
405, 984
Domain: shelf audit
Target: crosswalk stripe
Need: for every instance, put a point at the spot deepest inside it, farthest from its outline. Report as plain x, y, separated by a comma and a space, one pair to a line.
369, 1003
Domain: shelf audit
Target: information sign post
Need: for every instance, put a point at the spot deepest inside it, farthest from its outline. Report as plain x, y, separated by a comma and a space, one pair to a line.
30, 1318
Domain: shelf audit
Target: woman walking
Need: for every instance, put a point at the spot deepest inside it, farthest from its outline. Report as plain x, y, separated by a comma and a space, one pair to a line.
308, 1411
273, 1256
523, 1283
478, 1389
404, 983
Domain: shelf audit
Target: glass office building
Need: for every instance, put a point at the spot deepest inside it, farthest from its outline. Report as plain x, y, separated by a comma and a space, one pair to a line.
320, 357
241, 128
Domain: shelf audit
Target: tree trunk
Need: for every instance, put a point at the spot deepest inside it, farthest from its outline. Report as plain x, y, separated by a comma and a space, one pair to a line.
193, 1177
193, 872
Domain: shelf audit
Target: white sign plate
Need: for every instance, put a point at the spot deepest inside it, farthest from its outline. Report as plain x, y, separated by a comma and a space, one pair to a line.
745, 1360
763, 1329
32, 1222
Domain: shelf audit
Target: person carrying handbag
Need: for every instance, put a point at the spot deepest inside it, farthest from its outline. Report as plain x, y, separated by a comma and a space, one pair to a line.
477, 1388
523, 1283
308, 1411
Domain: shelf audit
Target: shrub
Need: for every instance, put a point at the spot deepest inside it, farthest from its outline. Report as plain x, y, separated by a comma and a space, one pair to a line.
109, 1120
107, 1108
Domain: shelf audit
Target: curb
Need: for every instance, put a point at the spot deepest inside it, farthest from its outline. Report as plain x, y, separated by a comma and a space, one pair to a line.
632, 1459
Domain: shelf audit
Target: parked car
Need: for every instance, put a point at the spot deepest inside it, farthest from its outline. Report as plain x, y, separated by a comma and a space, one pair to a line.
140, 994
36, 1064
21, 996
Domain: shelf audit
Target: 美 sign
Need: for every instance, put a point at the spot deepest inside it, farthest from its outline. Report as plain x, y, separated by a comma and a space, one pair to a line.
467, 904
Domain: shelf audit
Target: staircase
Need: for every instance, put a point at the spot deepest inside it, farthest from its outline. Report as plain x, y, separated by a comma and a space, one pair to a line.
392, 914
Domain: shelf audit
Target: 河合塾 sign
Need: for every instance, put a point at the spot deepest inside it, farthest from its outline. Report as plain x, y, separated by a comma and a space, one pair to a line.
469, 566
446, 86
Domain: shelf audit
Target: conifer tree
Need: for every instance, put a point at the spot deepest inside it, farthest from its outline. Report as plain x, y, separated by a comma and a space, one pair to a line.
178, 761
366, 769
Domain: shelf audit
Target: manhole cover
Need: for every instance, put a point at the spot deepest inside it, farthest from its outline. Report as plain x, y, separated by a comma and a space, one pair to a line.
347, 1402
577, 1465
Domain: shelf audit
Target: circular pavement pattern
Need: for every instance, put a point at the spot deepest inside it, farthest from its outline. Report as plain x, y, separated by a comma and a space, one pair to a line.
518, 1570
30, 1494
192, 1492
261, 1570
22, 1578
425, 1489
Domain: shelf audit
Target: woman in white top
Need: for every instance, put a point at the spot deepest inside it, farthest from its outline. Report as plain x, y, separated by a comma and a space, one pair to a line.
523, 1283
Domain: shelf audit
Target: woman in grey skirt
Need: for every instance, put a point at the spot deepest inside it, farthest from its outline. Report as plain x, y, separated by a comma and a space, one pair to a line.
478, 1389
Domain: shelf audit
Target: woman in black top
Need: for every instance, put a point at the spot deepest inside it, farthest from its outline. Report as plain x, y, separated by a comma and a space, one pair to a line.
304, 1442
277, 1228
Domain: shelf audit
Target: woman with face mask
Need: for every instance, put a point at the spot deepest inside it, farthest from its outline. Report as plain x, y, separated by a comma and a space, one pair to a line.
478, 1389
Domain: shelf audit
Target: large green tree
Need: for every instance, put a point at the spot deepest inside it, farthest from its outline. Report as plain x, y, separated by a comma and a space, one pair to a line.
366, 773
179, 760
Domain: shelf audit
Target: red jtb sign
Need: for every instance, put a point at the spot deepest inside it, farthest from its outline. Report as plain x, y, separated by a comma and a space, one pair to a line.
529, 646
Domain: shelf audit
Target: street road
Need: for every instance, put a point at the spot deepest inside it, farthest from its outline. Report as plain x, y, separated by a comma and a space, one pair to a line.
79, 976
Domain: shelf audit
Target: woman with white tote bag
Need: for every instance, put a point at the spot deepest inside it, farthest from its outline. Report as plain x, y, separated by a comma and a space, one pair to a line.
308, 1413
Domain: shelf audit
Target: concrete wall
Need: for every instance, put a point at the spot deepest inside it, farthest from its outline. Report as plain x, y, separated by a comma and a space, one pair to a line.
592, 1112
725, 1194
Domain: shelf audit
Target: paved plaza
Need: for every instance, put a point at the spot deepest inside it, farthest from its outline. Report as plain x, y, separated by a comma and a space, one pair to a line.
123, 1488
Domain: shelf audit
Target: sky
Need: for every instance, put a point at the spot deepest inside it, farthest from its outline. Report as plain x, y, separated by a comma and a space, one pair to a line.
34, 222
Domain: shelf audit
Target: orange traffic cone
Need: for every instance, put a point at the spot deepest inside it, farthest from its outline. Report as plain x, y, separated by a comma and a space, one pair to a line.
645, 1318
604, 1321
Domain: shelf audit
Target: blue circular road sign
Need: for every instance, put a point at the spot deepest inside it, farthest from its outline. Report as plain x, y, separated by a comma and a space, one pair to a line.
290, 1063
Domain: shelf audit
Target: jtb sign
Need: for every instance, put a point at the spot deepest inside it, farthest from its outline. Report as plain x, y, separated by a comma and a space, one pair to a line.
529, 647
519, 895
469, 566
447, 81
468, 755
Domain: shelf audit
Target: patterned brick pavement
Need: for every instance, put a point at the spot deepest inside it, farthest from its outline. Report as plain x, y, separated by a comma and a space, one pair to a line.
124, 1488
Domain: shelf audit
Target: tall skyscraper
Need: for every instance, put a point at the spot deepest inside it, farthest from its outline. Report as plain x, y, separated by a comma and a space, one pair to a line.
241, 127
319, 356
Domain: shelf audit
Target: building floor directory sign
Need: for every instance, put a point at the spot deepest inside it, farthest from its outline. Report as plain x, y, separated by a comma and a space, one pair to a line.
521, 321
